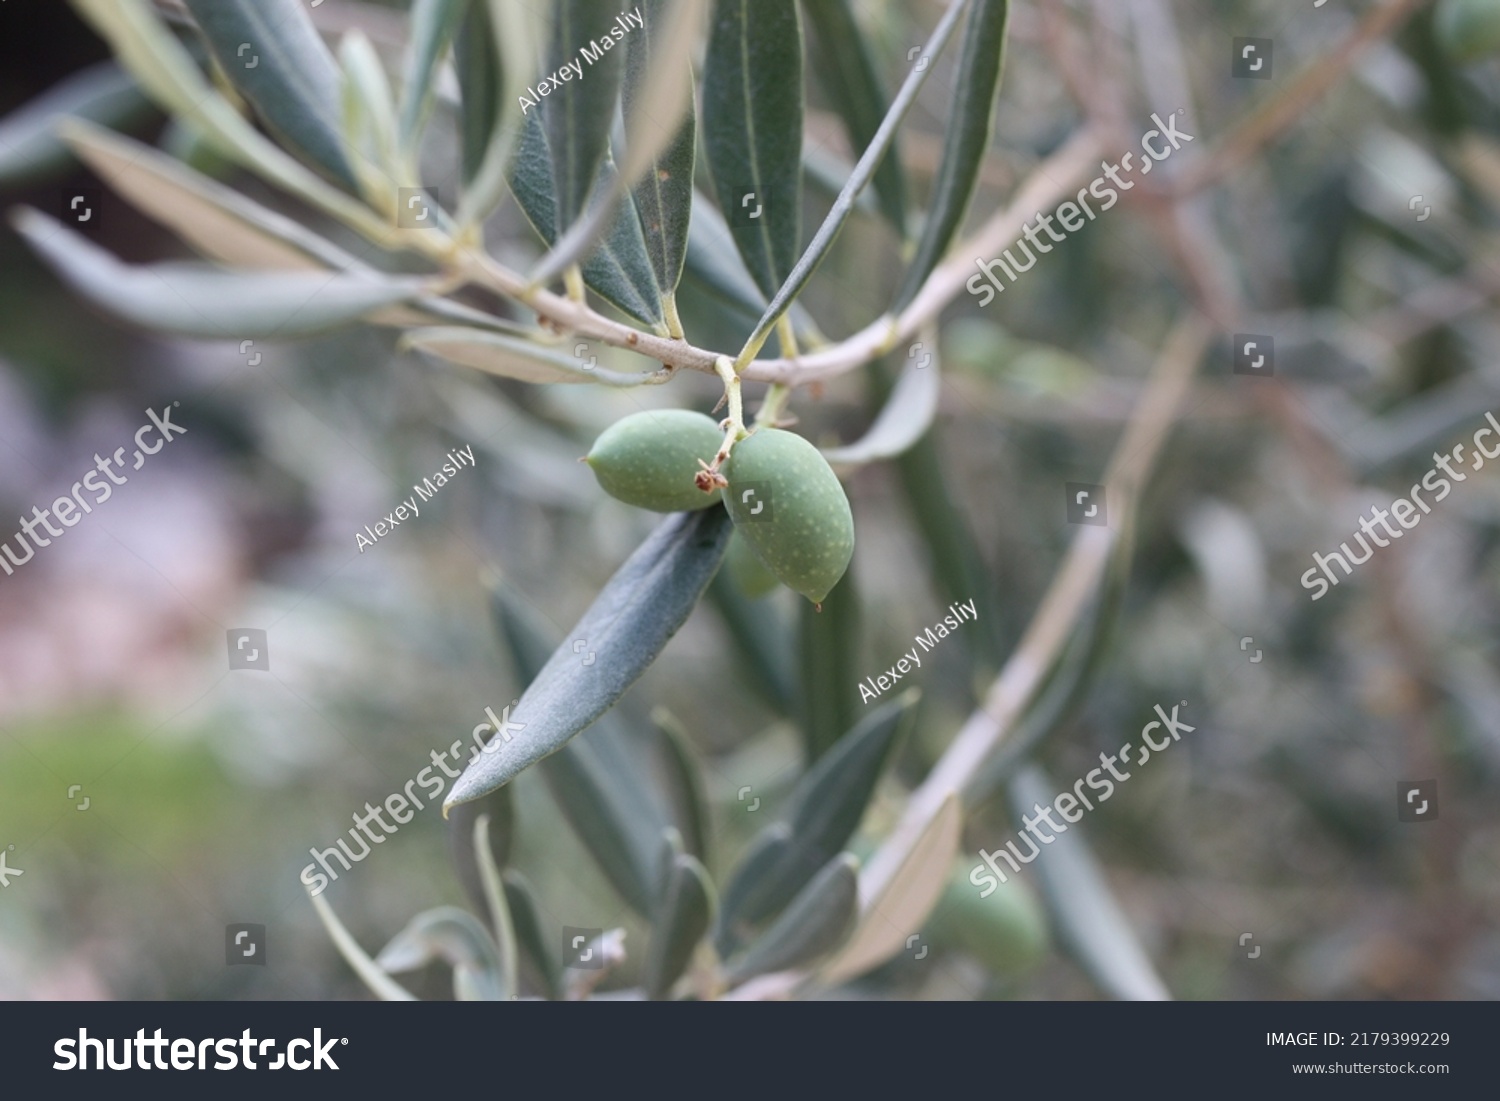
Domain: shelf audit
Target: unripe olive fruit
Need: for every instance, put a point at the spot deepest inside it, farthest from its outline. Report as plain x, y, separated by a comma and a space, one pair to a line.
786, 501
650, 459
1468, 29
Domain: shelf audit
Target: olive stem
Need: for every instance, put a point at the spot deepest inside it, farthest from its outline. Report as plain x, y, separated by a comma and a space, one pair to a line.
770, 409
734, 424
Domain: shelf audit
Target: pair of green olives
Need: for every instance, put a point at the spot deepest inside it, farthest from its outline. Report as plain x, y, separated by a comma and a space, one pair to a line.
783, 497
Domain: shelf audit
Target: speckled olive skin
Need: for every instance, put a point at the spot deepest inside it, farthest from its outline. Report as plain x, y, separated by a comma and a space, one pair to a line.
649, 459
804, 532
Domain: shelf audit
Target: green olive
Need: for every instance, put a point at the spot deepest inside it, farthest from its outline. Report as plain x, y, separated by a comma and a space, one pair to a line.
1468, 29
786, 501
650, 459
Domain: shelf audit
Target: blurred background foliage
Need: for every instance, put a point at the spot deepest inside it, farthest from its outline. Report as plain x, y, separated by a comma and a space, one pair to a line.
1276, 816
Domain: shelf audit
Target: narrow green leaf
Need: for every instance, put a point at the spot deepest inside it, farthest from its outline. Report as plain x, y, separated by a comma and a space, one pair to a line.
517, 34
170, 76
455, 937
843, 206
619, 268
684, 777
216, 220
29, 145
513, 357
433, 24
624, 846
830, 800
659, 104
828, 655
826, 808
1083, 908
1067, 682
763, 641
818, 920
767, 852
227, 226
499, 808
368, 120
212, 303
494, 898
664, 195
535, 945
372, 975
846, 69
907, 414
906, 900
682, 917
626, 628
272, 54
968, 139
577, 114
752, 130
595, 778
480, 81
958, 567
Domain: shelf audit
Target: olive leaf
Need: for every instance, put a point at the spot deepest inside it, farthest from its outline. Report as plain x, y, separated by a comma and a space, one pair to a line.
816, 922
165, 70
499, 810
216, 220
748, 885
273, 56
906, 900
455, 937
594, 778
843, 206
591, 795
664, 194
828, 656
578, 112
371, 974
512, 357
516, 35
213, 303
683, 915
761, 638
526, 923
433, 25
846, 69
752, 130
619, 268
227, 226
480, 80
684, 781
369, 119
968, 139
959, 568
29, 145
908, 411
826, 808
1089, 920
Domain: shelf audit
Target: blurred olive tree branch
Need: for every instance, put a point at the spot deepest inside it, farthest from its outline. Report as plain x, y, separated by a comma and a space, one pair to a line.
1072, 587
1288, 105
